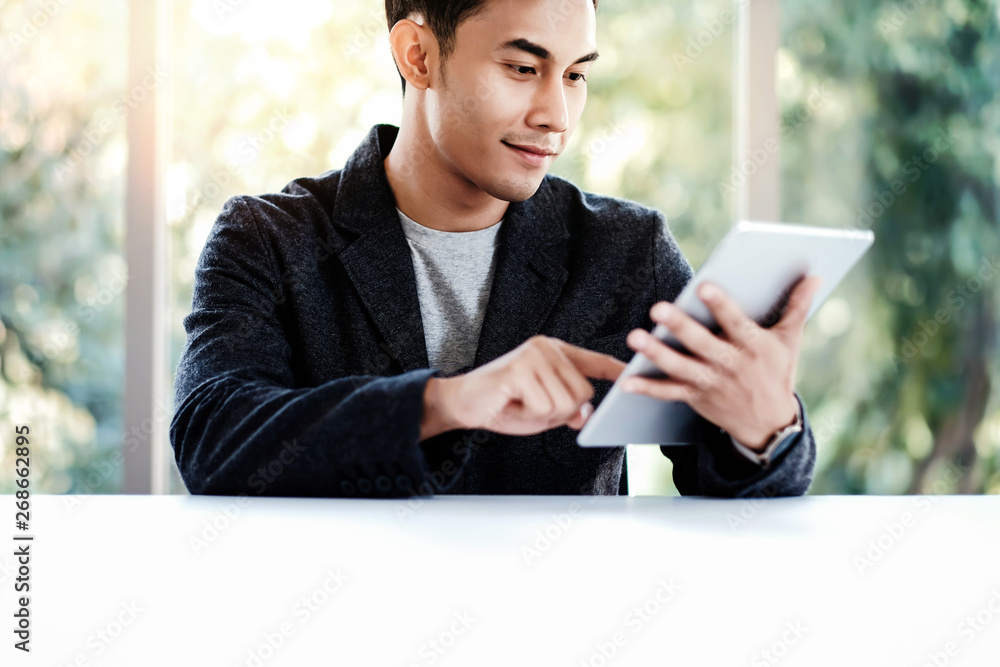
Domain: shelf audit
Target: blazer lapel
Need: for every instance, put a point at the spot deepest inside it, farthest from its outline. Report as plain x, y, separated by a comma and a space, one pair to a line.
378, 262
530, 266
529, 276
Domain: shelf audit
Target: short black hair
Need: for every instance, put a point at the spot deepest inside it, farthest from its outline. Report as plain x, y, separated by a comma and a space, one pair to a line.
442, 16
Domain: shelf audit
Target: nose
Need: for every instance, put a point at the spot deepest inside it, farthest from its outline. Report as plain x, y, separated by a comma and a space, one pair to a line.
550, 110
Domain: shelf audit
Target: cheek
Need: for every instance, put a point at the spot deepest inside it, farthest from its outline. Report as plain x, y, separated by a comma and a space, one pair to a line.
576, 104
479, 122
461, 110
490, 105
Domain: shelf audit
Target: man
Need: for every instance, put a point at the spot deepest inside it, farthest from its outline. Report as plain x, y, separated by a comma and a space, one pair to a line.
441, 316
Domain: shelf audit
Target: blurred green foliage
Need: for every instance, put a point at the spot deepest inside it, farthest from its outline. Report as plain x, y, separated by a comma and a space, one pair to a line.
904, 143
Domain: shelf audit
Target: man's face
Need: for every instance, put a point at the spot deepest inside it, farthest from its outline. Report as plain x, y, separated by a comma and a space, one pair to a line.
496, 93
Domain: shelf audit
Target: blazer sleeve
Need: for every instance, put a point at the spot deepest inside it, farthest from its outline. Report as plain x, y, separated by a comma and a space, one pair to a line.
714, 467
241, 426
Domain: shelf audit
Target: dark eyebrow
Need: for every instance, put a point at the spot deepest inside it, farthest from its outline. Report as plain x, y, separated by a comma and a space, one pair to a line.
523, 44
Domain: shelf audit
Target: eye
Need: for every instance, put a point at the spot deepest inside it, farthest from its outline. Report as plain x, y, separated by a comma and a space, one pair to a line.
579, 74
520, 67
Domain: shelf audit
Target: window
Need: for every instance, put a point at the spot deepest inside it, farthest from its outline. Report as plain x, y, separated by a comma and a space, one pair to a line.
891, 123
126, 126
63, 114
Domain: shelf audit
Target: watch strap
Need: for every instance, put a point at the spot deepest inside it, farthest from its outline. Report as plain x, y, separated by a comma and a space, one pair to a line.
781, 440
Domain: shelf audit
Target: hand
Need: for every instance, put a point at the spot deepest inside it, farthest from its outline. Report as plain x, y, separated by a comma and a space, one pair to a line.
539, 385
742, 381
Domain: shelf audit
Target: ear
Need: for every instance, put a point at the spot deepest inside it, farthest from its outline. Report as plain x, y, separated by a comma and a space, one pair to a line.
415, 49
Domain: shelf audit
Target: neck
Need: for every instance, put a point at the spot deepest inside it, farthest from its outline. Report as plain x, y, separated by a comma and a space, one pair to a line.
429, 190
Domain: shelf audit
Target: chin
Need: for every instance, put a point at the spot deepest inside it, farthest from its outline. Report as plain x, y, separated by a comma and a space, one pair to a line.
514, 189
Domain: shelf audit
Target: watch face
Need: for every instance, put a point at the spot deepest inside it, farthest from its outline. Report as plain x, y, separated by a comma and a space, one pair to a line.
783, 443
784, 437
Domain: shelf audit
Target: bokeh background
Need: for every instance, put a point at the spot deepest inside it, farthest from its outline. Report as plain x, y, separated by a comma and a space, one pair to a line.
897, 366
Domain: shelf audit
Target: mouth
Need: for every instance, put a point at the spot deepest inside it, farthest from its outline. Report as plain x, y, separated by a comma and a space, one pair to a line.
530, 155
529, 149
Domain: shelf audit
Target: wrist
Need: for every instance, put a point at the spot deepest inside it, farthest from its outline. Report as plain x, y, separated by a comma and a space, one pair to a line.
759, 442
438, 416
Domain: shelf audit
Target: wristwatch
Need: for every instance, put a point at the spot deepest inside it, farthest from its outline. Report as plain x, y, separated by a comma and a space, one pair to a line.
778, 443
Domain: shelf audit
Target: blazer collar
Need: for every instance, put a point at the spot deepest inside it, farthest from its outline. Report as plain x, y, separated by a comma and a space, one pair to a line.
530, 273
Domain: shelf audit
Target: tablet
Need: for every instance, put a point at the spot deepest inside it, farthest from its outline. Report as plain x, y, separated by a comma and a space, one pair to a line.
757, 264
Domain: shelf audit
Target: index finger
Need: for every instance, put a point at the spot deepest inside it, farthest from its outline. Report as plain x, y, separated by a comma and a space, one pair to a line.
594, 364
736, 324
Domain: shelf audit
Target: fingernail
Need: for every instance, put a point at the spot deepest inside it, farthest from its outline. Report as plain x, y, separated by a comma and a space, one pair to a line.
586, 410
708, 293
662, 312
637, 339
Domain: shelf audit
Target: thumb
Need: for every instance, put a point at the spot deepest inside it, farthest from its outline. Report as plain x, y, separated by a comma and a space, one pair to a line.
581, 416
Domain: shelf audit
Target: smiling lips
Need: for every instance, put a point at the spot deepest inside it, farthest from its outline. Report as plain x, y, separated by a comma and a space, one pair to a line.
533, 155
528, 148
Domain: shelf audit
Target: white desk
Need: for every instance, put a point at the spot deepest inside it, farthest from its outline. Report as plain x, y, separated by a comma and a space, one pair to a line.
387, 580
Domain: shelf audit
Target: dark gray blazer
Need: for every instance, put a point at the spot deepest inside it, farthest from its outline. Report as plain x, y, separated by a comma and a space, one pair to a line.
304, 368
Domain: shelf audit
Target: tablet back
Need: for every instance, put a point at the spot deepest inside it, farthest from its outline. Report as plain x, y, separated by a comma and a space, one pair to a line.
757, 264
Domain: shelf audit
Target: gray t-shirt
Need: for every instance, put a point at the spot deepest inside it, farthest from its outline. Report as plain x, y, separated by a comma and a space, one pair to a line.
454, 273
